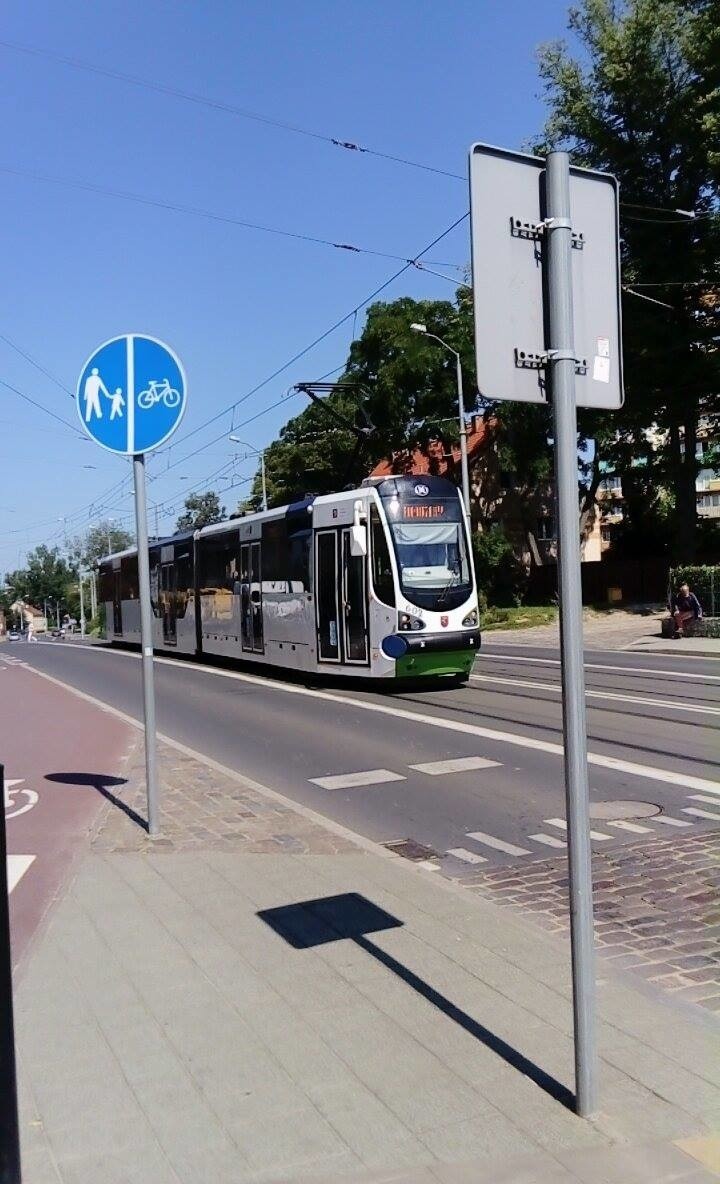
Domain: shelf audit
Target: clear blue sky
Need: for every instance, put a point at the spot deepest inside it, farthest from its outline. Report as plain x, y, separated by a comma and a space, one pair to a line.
417, 80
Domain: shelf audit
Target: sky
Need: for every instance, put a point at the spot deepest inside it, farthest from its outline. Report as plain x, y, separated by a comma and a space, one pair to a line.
406, 78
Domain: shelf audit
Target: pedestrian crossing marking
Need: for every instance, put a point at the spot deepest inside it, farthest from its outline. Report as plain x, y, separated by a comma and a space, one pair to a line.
548, 840
498, 844
353, 780
702, 797
698, 813
672, 821
17, 865
633, 827
460, 764
465, 855
562, 825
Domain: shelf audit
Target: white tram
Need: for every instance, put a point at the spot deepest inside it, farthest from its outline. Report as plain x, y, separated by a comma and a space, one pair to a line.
374, 582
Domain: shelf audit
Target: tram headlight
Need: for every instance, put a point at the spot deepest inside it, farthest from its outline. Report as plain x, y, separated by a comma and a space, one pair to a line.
471, 618
407, 622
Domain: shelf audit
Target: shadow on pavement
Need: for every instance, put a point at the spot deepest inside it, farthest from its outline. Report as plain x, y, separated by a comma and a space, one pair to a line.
100, 782
316, 922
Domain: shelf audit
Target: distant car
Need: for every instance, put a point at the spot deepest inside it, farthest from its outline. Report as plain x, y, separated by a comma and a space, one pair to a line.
57, 632
13, 635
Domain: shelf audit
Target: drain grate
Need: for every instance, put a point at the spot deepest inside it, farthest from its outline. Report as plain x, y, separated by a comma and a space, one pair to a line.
615, 811
409, 849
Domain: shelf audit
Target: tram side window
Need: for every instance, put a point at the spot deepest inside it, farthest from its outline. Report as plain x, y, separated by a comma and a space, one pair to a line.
218, 561
129, 578
106, 585
382, 572
184, 585
274, 555
299, 560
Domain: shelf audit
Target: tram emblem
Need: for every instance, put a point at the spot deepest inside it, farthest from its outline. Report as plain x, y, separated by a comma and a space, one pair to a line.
421, 490
444, 621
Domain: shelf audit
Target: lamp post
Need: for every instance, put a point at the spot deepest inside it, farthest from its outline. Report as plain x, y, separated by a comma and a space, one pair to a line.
255, 452
422, 329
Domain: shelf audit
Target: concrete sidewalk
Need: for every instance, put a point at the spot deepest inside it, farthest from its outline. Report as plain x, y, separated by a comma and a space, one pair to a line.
258, 997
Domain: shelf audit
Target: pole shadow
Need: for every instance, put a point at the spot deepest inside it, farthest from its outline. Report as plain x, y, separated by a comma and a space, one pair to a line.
352, 916
100, 782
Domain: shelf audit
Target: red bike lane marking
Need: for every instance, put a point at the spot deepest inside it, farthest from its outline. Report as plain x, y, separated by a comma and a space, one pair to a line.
70, 754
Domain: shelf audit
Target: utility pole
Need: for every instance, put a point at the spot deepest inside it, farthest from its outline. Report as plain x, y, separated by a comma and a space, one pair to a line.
82, 608
93, 594
423, 330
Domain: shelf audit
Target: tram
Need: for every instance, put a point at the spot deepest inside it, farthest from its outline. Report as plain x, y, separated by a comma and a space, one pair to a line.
375, 582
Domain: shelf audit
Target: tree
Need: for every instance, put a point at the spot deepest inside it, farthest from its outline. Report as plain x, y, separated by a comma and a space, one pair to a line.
102, 539
646, 107
47, 576
201, 509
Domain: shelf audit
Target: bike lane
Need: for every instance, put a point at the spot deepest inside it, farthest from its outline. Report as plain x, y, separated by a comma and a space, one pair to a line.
62, 757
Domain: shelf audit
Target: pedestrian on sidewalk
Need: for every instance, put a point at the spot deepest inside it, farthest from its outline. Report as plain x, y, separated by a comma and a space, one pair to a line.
684, 607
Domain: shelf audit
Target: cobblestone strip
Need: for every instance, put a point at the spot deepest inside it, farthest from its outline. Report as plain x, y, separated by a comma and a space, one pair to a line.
657, 908
204, 808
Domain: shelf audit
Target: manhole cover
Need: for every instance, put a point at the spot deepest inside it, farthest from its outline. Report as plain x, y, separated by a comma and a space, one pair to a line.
409, 849
609, 811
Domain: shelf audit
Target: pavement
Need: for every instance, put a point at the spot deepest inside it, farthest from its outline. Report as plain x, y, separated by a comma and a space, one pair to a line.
264, 995
619, 629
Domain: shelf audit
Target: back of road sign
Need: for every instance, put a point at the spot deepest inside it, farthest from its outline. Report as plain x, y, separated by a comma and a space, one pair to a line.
507, 206
131, 394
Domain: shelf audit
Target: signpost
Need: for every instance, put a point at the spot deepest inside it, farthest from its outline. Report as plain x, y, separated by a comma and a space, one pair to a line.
9, 1129
131, 397
546, 284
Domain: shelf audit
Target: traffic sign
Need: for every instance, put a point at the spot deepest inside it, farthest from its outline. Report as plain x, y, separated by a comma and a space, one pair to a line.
508, 209
131, 394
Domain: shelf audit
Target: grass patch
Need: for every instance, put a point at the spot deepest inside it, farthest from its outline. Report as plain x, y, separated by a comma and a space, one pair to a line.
518, 618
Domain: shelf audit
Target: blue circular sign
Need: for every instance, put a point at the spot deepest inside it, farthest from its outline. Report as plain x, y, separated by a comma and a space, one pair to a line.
131, 394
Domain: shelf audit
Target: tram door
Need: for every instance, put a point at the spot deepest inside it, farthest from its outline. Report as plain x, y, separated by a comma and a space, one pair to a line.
251, 628
168, 601
117, 602
341, 599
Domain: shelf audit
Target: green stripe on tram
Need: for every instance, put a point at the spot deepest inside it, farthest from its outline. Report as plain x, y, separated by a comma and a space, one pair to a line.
417, 664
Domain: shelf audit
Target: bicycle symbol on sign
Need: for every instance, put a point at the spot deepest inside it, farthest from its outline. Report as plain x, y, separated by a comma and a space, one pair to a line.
13, 798
157, 392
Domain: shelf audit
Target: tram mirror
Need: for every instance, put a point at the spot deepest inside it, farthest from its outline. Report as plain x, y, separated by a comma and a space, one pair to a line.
358, 538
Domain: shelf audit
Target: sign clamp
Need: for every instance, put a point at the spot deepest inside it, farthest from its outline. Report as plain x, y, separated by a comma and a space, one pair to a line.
535, 231
527, 360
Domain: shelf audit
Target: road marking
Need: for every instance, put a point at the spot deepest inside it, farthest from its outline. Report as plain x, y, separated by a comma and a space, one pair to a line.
460, 764
633, 827
428, 865
671, 821
615, 696
351, 780
651, 772
701, 797
562, 825
17, 865
548, 840
465, 855
698, 813
497, 844
602, 666
12, 796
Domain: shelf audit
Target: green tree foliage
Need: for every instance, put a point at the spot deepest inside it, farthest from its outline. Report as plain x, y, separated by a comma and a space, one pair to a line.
47, 575
501, 579
201, 509
643, 102
102, 539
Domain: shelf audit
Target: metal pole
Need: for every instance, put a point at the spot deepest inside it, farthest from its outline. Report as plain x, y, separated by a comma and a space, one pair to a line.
57, 612
82, 608
264, 487
93, 595
561, 369
9, 1127
463, 437
157, 524
146, 643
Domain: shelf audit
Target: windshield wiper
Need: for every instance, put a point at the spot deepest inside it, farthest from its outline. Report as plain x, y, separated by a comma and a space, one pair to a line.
455, 578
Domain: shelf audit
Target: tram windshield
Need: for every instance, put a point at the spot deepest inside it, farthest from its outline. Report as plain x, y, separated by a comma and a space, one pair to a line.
431, 552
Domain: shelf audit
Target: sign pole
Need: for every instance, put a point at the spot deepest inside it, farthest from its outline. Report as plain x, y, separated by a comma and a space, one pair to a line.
9, 1127
146, 643
561, 367
82, 608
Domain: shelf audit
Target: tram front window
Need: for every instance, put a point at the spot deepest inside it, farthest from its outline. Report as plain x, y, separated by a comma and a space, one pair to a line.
433, 562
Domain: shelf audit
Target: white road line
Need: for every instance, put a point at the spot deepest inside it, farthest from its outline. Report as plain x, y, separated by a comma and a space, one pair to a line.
562, 825
697, 797
615, 696
548, 840
465, 855
461, 764
698, 813
651, 772
633, 827
17, 865
351, 780
601, 666
428, 865
671, 821
497, 844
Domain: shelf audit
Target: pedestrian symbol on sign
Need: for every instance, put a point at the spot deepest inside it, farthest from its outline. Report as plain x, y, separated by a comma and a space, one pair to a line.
148, 394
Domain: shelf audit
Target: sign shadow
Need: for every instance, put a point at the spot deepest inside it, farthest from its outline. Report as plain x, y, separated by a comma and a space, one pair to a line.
100, 782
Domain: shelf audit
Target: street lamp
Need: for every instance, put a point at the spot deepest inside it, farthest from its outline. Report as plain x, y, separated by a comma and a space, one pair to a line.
255, 452
418, 328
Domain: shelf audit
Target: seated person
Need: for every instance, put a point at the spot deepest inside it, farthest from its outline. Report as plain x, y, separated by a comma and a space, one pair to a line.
684, 607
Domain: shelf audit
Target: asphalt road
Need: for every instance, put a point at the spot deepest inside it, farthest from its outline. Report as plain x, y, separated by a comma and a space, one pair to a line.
653, 732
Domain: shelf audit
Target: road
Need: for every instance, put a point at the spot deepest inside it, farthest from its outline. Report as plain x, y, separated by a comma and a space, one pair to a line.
474, 774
